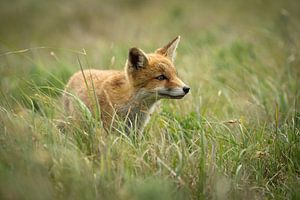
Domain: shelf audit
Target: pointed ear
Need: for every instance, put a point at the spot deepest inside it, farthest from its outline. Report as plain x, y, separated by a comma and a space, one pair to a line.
137, 58
170, 49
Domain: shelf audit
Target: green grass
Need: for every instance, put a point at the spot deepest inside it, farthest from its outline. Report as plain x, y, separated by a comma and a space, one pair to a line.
235, 136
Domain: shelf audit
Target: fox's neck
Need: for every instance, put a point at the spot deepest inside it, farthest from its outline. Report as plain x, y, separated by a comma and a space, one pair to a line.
141, 98
137, 109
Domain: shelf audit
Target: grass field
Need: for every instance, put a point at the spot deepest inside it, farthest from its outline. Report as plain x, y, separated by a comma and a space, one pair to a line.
235, 136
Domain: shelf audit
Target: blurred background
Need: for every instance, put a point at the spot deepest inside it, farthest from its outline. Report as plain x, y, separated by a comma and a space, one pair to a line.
26, 23
75, 24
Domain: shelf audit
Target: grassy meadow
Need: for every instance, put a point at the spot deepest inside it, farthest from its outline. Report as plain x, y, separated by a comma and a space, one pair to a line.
235, 136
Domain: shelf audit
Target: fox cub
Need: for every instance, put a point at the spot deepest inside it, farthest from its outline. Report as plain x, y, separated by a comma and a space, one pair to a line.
129, 96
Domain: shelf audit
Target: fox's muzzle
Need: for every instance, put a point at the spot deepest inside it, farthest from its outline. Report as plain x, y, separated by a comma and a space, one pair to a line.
174, 93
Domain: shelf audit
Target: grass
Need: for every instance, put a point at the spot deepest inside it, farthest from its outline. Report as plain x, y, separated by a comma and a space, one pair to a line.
236, 136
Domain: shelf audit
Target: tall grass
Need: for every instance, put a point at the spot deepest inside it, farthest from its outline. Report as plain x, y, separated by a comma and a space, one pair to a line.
236, 136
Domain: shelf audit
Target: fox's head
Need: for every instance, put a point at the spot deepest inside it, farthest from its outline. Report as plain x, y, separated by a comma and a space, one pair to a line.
154, 74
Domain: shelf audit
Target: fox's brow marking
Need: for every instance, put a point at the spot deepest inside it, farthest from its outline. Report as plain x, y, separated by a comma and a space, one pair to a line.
163, 66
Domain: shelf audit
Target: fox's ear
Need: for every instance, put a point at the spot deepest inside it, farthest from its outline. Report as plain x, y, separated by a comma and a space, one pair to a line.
170, 49
137, 58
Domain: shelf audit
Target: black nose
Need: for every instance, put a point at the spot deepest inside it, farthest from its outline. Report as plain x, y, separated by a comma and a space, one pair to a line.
186, 89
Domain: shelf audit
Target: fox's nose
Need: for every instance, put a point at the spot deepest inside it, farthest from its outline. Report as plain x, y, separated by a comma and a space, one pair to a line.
186, 89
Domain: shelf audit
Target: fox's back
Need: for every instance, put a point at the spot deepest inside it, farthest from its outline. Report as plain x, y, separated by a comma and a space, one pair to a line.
83, 79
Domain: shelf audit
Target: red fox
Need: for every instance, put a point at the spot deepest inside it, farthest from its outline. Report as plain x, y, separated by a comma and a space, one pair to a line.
129, 95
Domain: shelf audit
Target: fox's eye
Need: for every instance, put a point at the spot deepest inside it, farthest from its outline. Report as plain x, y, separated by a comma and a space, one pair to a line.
161, 77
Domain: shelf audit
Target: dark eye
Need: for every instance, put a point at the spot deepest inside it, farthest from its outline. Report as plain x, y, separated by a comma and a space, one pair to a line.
161, 77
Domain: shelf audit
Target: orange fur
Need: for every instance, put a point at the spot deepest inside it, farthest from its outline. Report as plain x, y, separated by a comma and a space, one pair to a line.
128, 95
